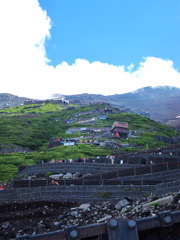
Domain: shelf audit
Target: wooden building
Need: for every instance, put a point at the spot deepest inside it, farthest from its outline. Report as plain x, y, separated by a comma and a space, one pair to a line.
55, 142
108, 110
120, 129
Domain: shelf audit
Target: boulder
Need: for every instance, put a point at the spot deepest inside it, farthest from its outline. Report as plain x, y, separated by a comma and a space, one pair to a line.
5, 225
159, 202
84, 206
67, 176
121, 204
57, 176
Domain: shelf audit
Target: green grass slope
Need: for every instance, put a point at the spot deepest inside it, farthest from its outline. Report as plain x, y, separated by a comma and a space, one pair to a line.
25, 131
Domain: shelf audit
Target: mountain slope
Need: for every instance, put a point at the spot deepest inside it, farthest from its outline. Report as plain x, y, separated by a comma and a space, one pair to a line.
26, 131
10, 100
162, 102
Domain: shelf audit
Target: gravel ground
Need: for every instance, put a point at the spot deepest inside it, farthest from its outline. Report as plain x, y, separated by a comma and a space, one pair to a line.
32, 218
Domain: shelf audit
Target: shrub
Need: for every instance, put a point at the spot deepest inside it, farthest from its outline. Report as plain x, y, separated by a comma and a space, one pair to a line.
147, 194
49, 174
104, 195
153, 204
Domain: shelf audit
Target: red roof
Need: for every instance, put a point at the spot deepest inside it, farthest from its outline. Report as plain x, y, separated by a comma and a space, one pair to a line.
120, 124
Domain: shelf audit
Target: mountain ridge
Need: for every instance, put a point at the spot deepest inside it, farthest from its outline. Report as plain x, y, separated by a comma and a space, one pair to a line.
162, 103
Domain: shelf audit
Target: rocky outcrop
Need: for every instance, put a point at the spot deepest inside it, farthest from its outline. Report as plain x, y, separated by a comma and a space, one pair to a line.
10, 100
11, 148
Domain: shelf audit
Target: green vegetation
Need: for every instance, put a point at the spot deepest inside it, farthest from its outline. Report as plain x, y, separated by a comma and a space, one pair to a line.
147, 194
137, 189
170, 193
153, 204
49, 174
25, 131
104, 195
152, 188
146, 130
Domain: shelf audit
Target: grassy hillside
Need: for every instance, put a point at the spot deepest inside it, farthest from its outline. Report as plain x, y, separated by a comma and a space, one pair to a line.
25, 132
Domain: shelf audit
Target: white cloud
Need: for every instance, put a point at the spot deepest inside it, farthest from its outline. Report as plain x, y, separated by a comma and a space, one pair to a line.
24, 27
130, 67
157, 72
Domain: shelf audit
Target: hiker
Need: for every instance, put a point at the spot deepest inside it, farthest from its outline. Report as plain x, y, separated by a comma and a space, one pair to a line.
41, 162
112, 159
52, 161
159, 151
54, 183
79, 159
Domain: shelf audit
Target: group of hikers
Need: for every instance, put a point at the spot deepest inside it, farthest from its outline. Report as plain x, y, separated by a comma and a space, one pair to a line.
109, 158
79, 159
54, 183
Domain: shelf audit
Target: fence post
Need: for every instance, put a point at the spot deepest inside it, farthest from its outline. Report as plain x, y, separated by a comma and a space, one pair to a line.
29, 185
121, 181
167, 166
12, 183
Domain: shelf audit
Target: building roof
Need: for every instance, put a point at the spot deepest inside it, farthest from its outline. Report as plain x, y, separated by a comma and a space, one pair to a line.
120, 124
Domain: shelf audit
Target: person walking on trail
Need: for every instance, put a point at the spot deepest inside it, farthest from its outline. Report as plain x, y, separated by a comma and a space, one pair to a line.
112, 159
54, 183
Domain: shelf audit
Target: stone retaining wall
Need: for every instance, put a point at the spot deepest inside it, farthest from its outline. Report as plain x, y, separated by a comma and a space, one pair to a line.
88, 193
173, 174
169, 187
73, 193
83, 168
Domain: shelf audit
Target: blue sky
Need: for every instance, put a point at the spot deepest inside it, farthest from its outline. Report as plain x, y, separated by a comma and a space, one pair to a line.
117, 32
88, 46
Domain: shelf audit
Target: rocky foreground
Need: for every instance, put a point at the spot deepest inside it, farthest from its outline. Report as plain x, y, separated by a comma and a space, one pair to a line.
33, 218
